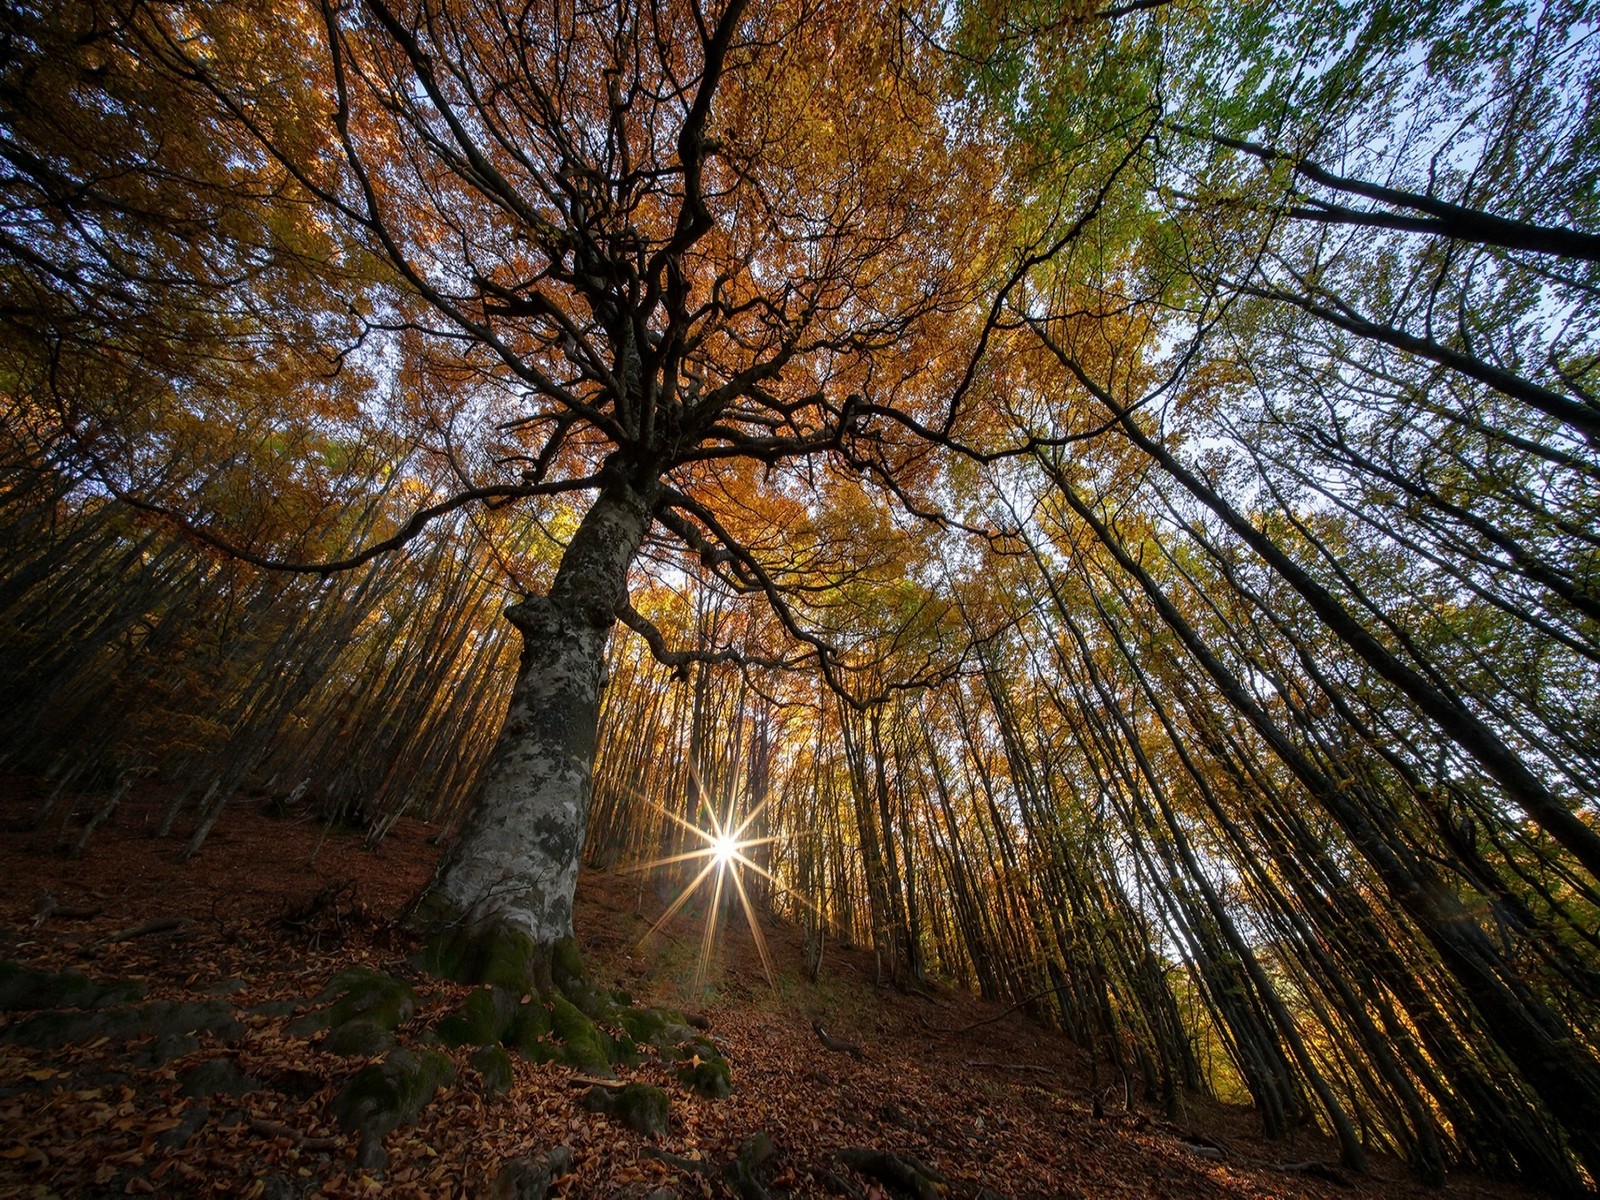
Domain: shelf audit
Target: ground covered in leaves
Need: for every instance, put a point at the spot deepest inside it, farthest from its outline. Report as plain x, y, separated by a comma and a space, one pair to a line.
184, 1051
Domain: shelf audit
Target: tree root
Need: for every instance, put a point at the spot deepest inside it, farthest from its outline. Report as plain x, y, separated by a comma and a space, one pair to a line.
901, 1171
839, 1045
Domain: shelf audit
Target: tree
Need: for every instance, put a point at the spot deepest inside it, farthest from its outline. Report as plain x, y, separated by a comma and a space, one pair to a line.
649, 251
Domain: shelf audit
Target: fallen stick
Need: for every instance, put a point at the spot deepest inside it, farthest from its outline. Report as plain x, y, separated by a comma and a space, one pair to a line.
147, 928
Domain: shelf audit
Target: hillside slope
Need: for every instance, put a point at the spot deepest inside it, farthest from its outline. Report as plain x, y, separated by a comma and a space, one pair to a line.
239, 1103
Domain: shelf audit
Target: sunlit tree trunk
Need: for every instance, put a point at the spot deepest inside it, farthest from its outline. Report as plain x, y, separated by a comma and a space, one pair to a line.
506, 884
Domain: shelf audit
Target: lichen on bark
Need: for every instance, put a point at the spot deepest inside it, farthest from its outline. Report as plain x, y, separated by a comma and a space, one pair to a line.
499, 907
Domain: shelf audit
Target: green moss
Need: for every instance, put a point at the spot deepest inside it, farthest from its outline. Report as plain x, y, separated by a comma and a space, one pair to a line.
704, 1071
494, 1064
382, 1096
639, 1106
624, 1049
530, 1025
22, 989
358, 1038
566, 963
584, 1045
125, 1023
500, 956
362, 994
484, 1019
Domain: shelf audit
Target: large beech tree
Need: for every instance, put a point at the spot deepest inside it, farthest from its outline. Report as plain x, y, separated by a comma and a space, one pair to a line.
653, 257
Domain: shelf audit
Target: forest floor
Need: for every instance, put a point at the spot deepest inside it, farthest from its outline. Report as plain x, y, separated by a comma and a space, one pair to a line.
272, 908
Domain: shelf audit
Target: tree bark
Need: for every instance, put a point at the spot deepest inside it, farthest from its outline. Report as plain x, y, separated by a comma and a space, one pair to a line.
513, 869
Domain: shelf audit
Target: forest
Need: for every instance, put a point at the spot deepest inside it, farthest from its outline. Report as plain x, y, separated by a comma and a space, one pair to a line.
1094, 504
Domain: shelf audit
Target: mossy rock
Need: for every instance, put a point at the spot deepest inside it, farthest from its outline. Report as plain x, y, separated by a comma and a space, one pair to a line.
45, 1030
383, 1096
584, 1044
640, 1106
22, 989
624, 1049
530, 1177
218, 1076
359, 993
358, 1038
566, 964
494, 1064
642, 1024
485, 1018
530, 1027
704, 1071
164, 1047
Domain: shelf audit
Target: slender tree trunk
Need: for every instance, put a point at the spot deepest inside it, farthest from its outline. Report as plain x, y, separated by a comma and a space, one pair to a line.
502, 895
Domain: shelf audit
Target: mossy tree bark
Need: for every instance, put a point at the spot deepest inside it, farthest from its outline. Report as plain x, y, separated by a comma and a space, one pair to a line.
501, 899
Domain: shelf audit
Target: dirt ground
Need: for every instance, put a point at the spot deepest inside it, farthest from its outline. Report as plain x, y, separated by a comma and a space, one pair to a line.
273, 907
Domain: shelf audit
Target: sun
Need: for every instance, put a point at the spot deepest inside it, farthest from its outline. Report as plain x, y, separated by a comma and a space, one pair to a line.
724, 851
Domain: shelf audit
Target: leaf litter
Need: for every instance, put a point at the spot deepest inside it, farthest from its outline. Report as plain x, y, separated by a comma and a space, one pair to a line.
1001, 1110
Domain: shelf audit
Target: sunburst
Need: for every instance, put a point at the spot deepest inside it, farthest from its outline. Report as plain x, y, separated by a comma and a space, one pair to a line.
725, 859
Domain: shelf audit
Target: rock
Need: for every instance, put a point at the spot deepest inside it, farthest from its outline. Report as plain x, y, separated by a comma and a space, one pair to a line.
358, 1038
164, 1047
494, 1064
218, 1075
273, 1008
584, 1045
704, 1070
530, 1027
382, 1096
360, 993
23, 989
181, 1134
530, 1177
640, 1106
47, 1030
485, 1018
742, 1174
370, 1153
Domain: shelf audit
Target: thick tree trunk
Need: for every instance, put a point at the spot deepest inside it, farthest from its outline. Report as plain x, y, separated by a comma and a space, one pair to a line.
501, 899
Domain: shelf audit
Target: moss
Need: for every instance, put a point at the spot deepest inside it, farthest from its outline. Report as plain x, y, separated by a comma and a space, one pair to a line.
624, 1049
22, 989
530, 1025
494, 1065
358, 1038
642, 1024
502, 957
639, 1106
382, 1096
584, 1045
371, 996
566, 963
704, 1070
484, 1019
125, 1023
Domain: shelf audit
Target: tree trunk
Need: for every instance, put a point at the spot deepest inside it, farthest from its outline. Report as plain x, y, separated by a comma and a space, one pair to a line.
501, 898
